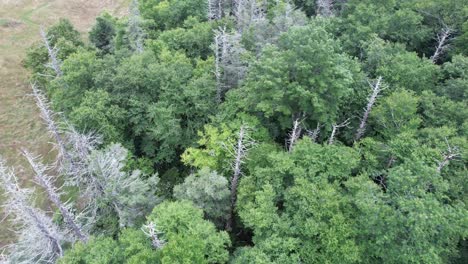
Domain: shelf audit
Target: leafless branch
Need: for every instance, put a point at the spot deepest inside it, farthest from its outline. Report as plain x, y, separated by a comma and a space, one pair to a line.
452, 153
49, 118
151, 231
294, 135
48, 183
442, 43
376, 88
313, 134
215, 9
229, 69
55, 63
335, 129
244, 143
36, 228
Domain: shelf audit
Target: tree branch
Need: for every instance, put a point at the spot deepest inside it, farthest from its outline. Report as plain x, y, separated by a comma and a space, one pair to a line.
376, 88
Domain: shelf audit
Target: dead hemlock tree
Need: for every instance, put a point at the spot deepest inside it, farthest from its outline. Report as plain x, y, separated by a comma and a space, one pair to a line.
325, 8
313, 134
55, 63
442, 43
40, 240
285, 16
135, 31
376, 89
73, 147
335, 129
215, 9
107, 183
451, 154
151, 231
294, 135
239, 151
229, 68
48, 116
54, 194
248, 13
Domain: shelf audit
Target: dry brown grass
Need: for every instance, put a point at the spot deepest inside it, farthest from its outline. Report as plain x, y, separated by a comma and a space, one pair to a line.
20, 125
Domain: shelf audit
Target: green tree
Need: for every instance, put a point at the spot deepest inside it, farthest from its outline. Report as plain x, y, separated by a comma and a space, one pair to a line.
306, 76
207, 190
132, 247
103, 32
455, 74
168, 14
189, 238
396, 113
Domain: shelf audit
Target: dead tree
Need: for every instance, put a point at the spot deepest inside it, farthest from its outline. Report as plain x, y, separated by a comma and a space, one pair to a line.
215, 9
313, 134
107, 183
39, 237
451, 154
335, 128
247, 12
325, 8
376, 88
48, 116
244, 143
442, 43
135, 31
54, 62
229, 68
151, 231
294, 135
53, 193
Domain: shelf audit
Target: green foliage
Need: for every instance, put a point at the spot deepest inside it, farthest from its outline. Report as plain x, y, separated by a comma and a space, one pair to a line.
397, 113
194, 38
96, 251
296, 208
384, 18
98, 112
455, 74
168, 14
189, 238
396, 195
400, 68
208, 191
132, 247
306, 75
103, 32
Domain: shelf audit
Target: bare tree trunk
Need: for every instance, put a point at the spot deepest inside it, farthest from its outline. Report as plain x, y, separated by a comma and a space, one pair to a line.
220, 53
376, 88
442, 38
48, 117
335, 129
294, 135
52, 192
55, 63
240, 151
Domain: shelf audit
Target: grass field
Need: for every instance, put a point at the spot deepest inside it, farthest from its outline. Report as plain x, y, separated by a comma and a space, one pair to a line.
20, 124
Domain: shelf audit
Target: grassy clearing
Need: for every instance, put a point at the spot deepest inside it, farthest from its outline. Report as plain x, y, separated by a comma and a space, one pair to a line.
20, 125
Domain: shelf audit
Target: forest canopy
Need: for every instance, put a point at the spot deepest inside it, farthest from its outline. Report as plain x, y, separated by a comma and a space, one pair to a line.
254, 131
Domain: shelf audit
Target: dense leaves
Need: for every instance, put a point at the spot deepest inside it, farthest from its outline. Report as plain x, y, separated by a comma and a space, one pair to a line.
299, 80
